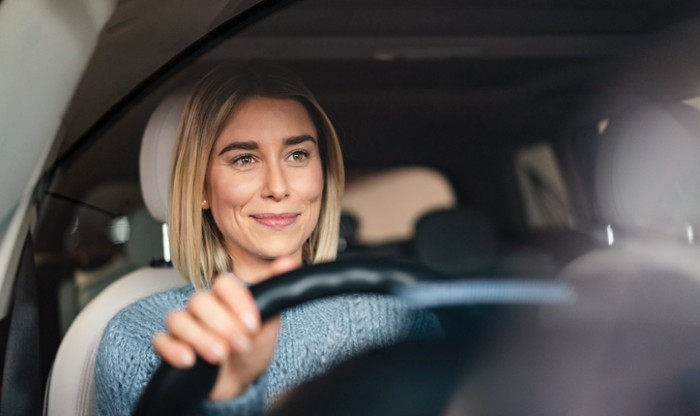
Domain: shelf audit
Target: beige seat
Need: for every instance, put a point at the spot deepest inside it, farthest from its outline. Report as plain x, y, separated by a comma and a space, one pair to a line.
71, 389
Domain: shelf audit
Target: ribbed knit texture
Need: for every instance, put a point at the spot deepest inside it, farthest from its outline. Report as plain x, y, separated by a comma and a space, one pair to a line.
313, 338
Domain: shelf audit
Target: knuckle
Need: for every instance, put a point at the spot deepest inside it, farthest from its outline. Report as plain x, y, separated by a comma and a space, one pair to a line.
199, 301
225, 327
158, 341
173, 319
223, 285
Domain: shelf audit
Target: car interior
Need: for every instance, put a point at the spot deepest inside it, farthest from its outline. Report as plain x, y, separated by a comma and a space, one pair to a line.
512, 141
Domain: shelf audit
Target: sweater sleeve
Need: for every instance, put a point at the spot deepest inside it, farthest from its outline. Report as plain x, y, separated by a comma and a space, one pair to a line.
125, 361
321, 334
314, 337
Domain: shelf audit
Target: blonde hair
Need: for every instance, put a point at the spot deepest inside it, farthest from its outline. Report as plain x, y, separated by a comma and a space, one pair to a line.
197, 247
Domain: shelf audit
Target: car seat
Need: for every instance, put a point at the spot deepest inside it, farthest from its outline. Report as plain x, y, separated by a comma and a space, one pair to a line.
464, 242
70, 389
456, 241
648, 191
628, 345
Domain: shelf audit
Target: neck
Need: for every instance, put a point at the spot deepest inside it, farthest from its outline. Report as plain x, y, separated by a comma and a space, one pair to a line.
253, 269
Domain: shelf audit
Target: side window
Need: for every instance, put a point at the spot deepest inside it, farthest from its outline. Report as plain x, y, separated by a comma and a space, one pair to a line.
545, 197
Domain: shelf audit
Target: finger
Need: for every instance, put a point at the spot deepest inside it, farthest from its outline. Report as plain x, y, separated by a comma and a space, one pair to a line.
185, 328
247, 367
174, 352
238, 300
269, 333
214, 314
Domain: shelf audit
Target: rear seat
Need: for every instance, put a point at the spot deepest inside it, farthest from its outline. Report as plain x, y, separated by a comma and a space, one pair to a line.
465, 242
350, 247
456, 241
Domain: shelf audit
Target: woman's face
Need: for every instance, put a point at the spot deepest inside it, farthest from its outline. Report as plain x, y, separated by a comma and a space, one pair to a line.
265, 182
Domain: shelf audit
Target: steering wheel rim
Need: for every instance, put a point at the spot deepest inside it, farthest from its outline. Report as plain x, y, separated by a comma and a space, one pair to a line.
175, 391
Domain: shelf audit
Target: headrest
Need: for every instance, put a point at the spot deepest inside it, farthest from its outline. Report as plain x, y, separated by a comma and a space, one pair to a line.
146, 238
156, 157
348, 231
455, 241
93, 239
648, 169
386, 203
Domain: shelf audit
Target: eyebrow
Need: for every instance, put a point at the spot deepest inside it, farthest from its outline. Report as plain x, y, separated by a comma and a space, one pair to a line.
291, 141
251, 145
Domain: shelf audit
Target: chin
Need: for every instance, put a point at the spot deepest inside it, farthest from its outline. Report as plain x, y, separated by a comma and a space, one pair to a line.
270, 252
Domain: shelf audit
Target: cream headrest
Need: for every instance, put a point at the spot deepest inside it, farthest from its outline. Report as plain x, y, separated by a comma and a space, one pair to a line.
156, 158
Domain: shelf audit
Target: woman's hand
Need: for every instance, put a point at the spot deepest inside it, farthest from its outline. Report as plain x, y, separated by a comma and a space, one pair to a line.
223, 327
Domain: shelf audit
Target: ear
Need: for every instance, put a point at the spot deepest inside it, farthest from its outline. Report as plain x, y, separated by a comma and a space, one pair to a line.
205, 200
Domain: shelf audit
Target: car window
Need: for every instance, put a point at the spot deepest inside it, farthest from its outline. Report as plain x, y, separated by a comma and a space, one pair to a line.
542, 187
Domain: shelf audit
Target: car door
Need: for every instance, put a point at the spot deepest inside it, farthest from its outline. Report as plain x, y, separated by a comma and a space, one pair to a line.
43, 50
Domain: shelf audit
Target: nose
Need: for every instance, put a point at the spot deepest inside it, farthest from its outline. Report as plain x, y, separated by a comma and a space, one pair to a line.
276, 185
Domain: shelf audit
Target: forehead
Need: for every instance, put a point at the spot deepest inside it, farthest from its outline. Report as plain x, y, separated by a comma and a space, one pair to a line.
262, 117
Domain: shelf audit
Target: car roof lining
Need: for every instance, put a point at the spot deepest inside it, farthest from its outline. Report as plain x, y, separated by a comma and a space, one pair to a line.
495, 29
103, 93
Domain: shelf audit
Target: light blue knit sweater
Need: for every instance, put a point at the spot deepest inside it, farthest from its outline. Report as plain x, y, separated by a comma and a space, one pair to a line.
313, 338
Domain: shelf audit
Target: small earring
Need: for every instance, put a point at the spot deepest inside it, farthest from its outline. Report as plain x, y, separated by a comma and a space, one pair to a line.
204, 204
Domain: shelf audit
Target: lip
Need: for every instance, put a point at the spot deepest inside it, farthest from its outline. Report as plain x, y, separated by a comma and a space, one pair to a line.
276, 221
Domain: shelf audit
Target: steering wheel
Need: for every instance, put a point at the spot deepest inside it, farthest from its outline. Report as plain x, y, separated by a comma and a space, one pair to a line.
174, 391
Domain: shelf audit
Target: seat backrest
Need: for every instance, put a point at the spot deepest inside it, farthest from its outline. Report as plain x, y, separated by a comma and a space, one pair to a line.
71, 388
386, 205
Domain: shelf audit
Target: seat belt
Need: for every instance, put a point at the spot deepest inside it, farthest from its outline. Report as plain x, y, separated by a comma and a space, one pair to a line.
21, 378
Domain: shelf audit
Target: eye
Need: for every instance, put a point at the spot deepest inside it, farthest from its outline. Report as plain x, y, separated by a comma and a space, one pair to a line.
298, 156
243, 160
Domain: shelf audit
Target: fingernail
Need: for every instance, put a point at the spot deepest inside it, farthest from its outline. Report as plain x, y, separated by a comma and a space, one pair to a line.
187, 360
251, 322
241, 343
217, 351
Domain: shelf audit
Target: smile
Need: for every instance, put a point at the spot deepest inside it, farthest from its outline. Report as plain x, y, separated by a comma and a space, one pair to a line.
276, 221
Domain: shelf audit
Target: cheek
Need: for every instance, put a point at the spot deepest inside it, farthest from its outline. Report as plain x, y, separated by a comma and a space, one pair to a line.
226, 191
312, 185
313, 193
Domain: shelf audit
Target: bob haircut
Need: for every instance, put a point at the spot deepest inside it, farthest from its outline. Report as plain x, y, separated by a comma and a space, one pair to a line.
196, 243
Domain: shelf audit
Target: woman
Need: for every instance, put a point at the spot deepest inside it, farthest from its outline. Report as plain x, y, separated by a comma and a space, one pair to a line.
256, 190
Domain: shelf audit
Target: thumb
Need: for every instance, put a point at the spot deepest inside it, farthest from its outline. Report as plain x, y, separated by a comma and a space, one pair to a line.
283, 264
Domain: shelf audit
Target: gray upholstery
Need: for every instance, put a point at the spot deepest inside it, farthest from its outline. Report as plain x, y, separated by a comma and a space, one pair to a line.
71, 387
648, 169
648, 188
